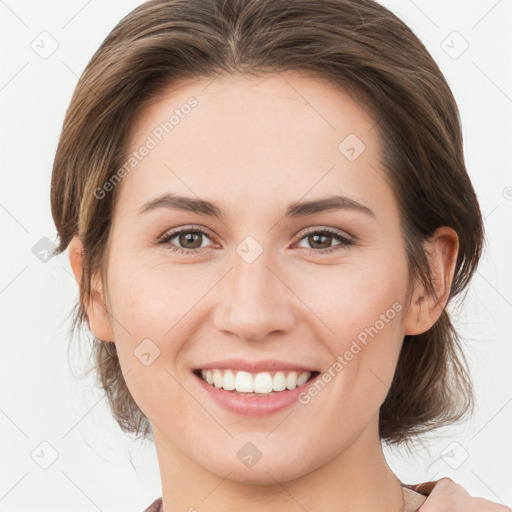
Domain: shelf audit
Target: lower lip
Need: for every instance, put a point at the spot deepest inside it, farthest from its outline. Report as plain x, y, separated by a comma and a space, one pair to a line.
254, 405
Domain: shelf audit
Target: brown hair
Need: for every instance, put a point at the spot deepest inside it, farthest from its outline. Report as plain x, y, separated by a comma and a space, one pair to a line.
357, 44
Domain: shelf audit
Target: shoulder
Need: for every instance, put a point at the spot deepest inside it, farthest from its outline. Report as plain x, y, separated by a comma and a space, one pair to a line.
412, 499
447, 495
156, 506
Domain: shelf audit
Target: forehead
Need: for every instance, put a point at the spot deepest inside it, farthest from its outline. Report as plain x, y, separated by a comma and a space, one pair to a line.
278, 136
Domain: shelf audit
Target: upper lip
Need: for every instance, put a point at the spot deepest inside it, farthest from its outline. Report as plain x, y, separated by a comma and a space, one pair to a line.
255, 366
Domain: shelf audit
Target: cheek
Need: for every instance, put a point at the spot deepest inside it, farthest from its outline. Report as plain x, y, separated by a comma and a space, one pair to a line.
148, 300
362, 306
153, 311
353, 295
149, 338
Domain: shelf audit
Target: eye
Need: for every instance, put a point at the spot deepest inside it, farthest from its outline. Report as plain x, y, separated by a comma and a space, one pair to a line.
191, 238
320, 241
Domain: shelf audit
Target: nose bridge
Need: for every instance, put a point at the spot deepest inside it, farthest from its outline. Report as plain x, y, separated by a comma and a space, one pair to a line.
251, 280
253, 302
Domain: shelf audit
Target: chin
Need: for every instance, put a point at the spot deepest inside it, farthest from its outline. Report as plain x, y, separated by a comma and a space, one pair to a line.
263, 472
262, 477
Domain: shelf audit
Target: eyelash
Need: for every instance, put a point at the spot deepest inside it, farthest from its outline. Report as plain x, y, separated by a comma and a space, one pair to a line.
167, 237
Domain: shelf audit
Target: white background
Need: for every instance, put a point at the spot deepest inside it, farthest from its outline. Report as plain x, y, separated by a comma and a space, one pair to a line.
41, 400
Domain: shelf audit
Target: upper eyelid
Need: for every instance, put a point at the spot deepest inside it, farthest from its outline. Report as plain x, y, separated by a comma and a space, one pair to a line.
177, 231
329, 230
301, 233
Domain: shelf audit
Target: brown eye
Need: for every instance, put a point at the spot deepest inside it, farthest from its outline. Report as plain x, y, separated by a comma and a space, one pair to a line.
190, 239
320, 241
187, 240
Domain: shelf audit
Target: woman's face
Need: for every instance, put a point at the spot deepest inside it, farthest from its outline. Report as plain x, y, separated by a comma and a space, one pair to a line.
260, 284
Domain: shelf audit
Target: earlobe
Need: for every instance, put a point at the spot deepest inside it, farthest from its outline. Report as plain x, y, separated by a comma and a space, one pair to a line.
425, 308
97, 316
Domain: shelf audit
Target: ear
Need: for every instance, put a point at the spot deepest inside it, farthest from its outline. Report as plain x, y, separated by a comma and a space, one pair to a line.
97, 316
442, 249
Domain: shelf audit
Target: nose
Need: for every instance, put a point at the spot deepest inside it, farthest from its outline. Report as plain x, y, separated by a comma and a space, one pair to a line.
254, 301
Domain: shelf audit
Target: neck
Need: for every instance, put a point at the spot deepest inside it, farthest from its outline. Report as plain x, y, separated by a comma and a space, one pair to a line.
358, 479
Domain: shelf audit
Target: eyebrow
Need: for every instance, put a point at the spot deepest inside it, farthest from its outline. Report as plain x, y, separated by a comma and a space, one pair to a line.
294, 210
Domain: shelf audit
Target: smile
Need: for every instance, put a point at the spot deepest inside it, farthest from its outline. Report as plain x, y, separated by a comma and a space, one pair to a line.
261, 383
282, 389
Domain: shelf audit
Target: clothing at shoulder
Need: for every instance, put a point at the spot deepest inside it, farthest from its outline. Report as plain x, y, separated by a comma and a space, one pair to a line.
156, 506
413, 499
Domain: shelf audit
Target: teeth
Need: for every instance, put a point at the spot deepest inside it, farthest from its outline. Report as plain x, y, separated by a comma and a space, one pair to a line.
279, 383
263, 382
244, 382
303, 377
229, 380
217, 379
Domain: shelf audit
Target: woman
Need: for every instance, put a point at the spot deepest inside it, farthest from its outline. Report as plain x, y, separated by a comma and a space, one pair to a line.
267, 211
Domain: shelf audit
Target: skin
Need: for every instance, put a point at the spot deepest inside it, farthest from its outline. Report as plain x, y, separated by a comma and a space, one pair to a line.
253, 146
446, 495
